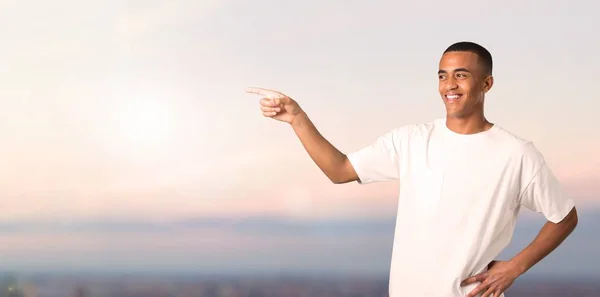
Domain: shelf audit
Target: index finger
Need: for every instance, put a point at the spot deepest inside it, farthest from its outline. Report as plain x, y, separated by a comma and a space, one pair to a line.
263, 92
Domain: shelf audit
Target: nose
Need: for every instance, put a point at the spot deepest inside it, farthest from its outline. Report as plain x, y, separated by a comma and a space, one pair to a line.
451, 83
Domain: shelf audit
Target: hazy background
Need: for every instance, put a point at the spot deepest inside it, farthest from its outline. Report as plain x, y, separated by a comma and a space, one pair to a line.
128, 143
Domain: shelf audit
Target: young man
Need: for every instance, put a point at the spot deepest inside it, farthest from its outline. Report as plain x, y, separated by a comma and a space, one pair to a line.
462, 180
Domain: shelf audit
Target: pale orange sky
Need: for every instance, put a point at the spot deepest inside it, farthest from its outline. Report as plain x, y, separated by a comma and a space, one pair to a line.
136, 109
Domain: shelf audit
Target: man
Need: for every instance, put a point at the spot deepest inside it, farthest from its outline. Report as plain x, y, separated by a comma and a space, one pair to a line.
462, 180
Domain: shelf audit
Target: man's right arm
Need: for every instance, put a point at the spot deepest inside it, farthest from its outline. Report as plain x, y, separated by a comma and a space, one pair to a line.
334, 164
379, 161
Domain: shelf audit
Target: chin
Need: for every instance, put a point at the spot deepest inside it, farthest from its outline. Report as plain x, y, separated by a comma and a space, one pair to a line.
455, 114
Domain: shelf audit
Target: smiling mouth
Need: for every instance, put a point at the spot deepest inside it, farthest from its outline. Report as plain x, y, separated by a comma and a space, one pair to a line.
453, 97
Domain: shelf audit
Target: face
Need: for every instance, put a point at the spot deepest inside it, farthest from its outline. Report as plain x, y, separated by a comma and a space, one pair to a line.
462, 83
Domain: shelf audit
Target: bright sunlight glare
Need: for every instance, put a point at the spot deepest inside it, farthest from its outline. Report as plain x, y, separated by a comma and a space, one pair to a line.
145, 122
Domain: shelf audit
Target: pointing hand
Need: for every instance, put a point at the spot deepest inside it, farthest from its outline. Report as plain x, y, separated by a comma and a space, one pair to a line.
276, 105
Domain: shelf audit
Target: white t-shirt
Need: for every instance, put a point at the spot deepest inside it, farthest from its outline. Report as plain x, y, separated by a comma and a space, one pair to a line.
459, 200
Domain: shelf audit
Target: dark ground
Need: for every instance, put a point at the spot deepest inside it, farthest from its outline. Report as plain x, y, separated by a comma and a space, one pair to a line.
201, 286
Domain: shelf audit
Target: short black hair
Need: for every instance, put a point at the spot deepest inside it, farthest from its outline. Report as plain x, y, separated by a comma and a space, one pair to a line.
467, 46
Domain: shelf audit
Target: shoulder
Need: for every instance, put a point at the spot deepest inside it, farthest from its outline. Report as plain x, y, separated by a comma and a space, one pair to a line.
416, 129
523, 151
411, 133
398, 138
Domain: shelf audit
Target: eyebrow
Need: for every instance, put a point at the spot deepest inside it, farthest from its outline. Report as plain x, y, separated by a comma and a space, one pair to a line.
455, 70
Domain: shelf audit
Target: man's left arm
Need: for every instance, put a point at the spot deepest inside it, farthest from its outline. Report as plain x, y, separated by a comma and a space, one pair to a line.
549, 238
544, 194
501, 275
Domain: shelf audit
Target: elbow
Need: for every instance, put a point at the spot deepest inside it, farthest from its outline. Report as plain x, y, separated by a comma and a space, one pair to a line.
342, 179
344, 173
337, 180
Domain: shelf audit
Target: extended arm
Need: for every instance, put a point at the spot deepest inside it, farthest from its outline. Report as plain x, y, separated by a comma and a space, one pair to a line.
328, 158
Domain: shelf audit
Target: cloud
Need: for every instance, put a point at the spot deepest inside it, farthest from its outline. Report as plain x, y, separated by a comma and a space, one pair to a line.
204, 244
255, 225
247, 245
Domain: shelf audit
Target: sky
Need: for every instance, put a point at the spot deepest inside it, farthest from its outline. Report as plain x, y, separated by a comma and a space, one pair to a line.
128, 141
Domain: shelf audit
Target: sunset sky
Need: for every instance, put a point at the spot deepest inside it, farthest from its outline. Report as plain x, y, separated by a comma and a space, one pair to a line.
128, 140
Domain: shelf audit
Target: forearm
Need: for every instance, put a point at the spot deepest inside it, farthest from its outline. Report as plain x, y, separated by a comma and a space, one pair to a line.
328, 158
549, 238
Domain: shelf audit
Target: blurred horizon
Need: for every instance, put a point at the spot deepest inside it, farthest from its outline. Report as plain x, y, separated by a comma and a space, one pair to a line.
333, 242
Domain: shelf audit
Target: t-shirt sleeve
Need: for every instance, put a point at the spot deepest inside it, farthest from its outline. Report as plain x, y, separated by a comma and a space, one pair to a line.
379, 161
543, 192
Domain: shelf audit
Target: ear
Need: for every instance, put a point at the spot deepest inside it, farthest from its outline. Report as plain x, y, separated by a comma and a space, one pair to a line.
488, 83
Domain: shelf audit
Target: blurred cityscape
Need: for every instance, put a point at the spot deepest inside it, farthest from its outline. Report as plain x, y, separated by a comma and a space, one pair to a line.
203, 286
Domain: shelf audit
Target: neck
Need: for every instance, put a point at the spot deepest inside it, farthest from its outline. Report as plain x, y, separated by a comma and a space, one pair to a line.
472, 124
